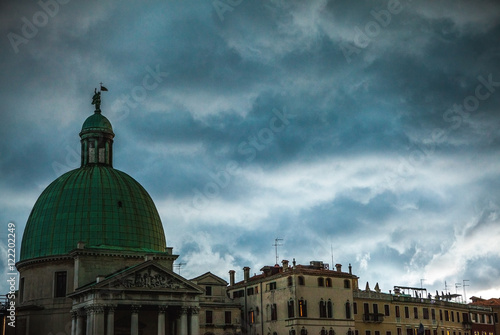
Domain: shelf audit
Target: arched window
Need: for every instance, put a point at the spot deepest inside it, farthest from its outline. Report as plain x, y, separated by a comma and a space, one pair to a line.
321, 281
322, 309
328, 282
329, 309
302, 308
323, 331
291, 331
347, 310
302, 280
303, 331
291, 308
347, 283
331, 331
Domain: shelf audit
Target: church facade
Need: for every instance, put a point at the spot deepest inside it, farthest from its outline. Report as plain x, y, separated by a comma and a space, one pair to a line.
94, 258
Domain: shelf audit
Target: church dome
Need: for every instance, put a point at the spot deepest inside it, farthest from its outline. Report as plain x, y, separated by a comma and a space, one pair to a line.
95, 204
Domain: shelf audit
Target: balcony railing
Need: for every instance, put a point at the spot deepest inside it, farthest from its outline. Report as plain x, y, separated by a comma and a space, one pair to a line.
373, 317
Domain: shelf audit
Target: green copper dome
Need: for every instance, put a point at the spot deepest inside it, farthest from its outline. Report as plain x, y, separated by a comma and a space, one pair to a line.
95, 204
98, 205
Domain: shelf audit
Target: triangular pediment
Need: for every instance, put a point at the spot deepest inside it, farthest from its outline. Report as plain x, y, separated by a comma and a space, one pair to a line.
147, 276
209, 278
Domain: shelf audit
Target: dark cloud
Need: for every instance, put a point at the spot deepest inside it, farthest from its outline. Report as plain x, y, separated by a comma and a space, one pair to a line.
387, 156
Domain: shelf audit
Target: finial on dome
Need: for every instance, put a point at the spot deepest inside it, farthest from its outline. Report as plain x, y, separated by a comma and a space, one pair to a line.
96, 99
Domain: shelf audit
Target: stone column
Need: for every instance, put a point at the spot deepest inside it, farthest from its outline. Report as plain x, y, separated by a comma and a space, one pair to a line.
110, 327
161, 319
74, 315
98, 319
195, 323
90, 320
80, 319
134, 323
182, 325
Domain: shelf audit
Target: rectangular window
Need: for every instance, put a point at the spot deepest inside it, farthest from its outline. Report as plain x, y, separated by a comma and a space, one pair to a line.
271, 286
227, 317
386, 310
398, 313
250, 291
60, 284
433, 314
425, 312
21, 290
415, 312
458, 318
355, 307
399, 331
440, 315
452, 316
407, 312
274, 312
209, 317
446, 316
208, 290
368, 332
388, 332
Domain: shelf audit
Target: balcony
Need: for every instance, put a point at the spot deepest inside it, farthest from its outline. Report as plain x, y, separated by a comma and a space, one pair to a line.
467, 325
373, 318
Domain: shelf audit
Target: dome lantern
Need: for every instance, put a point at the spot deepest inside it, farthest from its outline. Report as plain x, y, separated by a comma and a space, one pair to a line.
97, 136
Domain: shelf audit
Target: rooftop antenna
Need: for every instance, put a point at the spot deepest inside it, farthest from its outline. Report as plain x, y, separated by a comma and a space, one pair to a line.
276, 245
463, 285
331, 251
178, 266
457, 285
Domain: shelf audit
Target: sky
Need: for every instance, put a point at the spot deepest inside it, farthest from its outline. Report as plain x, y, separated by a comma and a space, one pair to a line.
351, 132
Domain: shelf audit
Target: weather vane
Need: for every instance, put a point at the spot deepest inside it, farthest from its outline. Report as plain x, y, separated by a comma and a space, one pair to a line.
96, 99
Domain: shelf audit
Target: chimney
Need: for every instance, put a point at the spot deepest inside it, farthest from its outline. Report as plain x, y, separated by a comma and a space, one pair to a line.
285, 265
80, 245
231, 277
350, 269
246, 273
339, 267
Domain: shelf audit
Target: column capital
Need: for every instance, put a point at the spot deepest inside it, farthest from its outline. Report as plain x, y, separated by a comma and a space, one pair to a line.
74, 313
110, 308
81, 312
194, 310
135, 308
162, 308
94, 309
183, 310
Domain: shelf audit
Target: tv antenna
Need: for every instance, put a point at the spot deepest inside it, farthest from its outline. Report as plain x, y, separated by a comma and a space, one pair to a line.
463, 285
276, 245
178, 266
